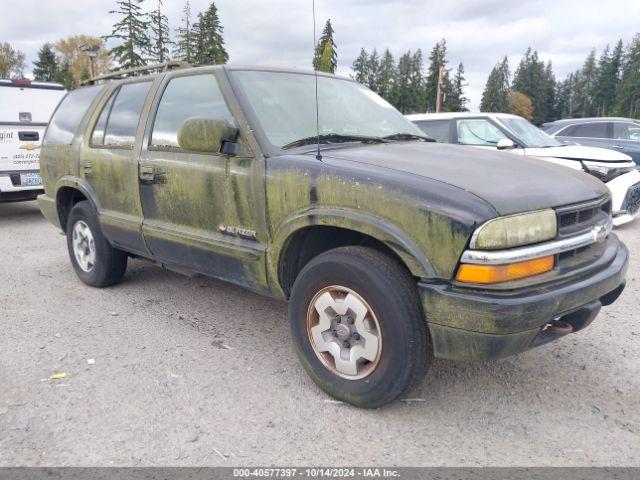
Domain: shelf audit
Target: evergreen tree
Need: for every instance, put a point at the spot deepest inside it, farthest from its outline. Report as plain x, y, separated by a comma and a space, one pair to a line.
437, 59
455, 100
535, 80
326, 59
584, 88
404, 83
495, 97
417, 84
65, 77
548, 100
387, 86
373, 70
131, 30
607, 79
159, 35
210, 49
360, 67
564, 97
185, 45
628, 96
45, 68
326, 38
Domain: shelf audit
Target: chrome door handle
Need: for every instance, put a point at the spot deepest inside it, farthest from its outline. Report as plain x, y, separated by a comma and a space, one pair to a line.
620, 147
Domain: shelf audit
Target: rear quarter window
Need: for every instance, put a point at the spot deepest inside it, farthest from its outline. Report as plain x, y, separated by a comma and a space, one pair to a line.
68, 115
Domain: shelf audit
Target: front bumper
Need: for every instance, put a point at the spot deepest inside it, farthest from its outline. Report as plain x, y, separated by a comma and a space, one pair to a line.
473, 324
620, 188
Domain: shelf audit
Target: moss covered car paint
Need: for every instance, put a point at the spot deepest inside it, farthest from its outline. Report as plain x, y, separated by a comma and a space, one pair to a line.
257, 216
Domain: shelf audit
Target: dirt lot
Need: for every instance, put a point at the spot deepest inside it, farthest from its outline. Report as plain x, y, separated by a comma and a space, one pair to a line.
198, 372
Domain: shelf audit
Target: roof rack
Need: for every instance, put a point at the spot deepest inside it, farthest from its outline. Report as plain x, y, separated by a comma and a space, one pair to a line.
129, 71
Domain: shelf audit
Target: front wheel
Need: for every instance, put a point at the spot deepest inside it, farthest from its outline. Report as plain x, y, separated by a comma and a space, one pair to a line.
358, 326
93, 258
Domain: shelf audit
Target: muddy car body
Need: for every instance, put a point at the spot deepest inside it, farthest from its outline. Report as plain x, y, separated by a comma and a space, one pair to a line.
376, 241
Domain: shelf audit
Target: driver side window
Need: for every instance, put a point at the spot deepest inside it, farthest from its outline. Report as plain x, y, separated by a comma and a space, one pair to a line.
478, 132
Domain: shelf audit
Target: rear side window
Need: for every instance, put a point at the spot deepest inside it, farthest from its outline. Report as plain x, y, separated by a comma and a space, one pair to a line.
185, 97
438, 129
118, 121
587, 130
67, 117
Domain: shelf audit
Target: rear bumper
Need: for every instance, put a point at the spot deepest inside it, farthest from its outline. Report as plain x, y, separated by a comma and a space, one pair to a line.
12, 193
466, 324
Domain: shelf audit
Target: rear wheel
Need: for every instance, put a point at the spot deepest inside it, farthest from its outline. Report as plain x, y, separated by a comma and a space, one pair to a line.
358, 326
93, 258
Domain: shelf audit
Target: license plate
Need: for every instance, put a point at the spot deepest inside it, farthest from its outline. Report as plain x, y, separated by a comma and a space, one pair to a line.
30, 179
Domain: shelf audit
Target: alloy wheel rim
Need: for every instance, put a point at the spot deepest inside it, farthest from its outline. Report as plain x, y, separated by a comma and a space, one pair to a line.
84, 247
344, 332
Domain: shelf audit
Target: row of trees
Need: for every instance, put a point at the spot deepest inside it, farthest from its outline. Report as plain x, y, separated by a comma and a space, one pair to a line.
608, 85
140, 38
145, 37
406, 85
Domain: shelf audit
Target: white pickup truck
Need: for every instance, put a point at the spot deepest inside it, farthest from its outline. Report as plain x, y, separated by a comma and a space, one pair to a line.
25, 110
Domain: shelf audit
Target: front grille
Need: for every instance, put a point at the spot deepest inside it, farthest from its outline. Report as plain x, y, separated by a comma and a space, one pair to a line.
576, 219
632, 200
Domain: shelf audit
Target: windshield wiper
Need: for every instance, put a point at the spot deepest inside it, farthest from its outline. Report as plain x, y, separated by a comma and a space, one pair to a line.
408, 136
333, 138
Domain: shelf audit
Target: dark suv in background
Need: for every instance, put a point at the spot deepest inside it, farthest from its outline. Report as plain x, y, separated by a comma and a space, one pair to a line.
622, 134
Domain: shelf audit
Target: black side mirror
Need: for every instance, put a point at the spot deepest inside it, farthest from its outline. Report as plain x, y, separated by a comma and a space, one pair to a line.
208, 135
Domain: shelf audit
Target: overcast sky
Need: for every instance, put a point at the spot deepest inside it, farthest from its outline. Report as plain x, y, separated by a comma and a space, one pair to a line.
279, 32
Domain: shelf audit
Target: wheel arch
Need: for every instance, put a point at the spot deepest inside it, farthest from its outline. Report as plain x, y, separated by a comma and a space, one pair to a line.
292, 247
69, 191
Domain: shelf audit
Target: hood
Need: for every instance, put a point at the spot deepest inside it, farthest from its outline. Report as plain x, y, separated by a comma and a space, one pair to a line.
579, 152
510, 183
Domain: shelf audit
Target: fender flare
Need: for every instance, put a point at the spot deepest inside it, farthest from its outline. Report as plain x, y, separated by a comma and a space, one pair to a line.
380, 229
78, 184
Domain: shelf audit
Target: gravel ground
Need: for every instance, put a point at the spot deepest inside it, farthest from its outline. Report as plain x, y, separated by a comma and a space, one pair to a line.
192, 371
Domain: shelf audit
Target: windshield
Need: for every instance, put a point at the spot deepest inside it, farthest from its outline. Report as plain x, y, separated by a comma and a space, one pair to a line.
284, 105
529, 135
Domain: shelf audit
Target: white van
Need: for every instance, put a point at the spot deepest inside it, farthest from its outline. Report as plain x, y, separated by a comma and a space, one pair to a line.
25, 110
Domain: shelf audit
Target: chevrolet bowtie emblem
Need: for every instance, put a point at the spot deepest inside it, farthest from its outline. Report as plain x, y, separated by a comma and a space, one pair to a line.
29, 146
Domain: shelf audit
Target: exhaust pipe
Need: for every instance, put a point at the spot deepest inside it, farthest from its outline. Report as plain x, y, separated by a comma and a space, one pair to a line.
559, 327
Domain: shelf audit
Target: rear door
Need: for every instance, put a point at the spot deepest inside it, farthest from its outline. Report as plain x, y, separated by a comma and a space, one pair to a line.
626, 139
203, 211
109, 162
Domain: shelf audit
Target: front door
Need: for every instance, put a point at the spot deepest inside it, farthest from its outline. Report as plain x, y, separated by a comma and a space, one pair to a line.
202, 211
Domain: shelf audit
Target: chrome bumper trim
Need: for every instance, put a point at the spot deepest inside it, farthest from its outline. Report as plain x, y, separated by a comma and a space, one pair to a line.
501, 257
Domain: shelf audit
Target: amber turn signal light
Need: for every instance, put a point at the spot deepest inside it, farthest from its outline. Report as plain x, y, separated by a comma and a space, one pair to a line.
471, 273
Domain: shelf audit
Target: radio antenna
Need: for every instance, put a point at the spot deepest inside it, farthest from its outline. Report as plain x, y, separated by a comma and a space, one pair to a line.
315, 72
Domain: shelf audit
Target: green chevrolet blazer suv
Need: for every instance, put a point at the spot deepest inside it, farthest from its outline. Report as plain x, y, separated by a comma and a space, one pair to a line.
390, 248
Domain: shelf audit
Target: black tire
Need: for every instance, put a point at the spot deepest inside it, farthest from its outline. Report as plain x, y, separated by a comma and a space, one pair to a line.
110, 264
391, 293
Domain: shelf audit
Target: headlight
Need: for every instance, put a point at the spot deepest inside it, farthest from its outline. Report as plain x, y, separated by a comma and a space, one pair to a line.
516, 230
605, 174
